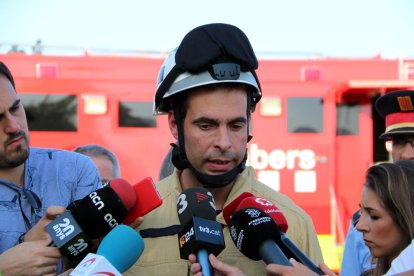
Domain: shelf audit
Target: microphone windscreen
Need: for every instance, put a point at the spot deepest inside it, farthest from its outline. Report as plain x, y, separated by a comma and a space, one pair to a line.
121, 247
269, 208
195, 202
250, 227
230, 208
125, 192
98, 212
147, 199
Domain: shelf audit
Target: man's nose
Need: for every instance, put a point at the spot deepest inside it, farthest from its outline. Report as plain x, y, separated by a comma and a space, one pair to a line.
11, 124
223, 140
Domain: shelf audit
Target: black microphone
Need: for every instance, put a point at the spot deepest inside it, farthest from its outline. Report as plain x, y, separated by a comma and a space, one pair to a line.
289, 249
253, 233
90, 218
201, 233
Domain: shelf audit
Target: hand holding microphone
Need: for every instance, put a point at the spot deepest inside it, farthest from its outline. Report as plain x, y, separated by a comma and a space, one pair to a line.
201, 233
297, 269
37, 232
219, 267
90, 218
286, 245
255, 215
30, 258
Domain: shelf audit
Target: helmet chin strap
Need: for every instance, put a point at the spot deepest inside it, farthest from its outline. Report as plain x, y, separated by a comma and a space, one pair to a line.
180, 161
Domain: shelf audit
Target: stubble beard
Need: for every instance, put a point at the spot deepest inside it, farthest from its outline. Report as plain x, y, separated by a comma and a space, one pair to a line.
18, 157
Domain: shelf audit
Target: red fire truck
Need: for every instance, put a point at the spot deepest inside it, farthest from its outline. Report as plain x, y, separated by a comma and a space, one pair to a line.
315, 130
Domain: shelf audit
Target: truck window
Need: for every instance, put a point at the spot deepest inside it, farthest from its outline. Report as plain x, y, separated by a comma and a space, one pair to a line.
136, 114
47, 112
347, 122
304, 115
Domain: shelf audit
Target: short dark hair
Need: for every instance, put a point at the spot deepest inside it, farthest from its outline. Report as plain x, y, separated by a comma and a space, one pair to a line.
6, 72
97, 151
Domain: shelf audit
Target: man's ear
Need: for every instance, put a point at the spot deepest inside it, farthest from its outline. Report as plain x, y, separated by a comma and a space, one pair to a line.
172, 123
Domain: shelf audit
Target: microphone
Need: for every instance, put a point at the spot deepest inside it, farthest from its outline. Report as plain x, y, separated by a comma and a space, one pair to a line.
268, 207
253, 233
201, 233
147, 199
285, 244
118, 251
230, 208
90, 218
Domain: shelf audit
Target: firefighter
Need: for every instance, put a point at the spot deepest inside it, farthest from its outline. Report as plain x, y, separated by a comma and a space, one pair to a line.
398, 110
209, 88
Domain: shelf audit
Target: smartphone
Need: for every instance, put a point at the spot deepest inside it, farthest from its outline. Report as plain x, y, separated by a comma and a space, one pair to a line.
147, 199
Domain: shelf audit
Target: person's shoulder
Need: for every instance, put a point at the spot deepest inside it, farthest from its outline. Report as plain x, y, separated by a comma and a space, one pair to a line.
58, 155
53, 152
44, 153
166, 186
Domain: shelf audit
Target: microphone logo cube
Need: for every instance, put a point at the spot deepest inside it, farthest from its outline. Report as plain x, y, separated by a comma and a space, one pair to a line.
201, 234
68, 236
63, 229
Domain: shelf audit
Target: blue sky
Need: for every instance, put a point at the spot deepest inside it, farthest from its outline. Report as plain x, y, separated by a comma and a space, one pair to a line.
351, 28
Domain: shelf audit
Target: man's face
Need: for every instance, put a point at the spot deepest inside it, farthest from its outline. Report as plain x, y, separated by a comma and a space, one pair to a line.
215, 129
14, 144
105, 167
402, 147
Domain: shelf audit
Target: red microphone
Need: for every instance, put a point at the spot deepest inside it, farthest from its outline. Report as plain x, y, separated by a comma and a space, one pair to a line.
268, 207
230, 208
125, 192
147, 199
289, 249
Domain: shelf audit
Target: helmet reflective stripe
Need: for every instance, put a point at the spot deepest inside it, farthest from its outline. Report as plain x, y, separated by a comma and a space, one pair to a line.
186, 81
166, 67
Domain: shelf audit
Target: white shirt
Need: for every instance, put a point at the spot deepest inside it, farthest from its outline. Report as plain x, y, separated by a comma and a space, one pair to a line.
404, 261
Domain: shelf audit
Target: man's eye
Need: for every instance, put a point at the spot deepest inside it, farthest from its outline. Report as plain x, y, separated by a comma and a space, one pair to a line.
398, 142
14, 108
204, 126
237, 126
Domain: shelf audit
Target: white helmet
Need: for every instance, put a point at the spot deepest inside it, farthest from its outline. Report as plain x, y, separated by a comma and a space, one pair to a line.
207, 57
